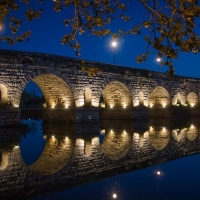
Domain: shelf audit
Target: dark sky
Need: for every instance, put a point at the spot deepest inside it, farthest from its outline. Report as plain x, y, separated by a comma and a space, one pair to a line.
48, 31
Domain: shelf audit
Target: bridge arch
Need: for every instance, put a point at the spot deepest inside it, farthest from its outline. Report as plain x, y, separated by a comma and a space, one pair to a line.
159, 97
116, 94
54, 86
192, 99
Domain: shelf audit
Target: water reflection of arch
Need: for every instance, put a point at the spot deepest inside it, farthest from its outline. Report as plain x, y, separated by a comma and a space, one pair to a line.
116, 94
57, 152
192, 133
159, 97
117, 139
159, 137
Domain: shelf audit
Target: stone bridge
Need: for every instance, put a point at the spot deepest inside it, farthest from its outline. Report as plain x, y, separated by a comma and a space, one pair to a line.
65, 86
74, 155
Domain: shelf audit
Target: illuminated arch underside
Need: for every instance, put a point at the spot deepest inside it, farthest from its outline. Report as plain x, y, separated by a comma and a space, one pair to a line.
56, 92
192, 99
117, 94
159, 97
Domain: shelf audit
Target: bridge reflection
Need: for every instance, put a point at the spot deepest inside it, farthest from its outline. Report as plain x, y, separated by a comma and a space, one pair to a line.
74, 155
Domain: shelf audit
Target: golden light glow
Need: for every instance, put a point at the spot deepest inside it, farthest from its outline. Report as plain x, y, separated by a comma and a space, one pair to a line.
66, 138
124, 105
114, 195
66, 106
52, 106
114, 43
151, 105
151, 129
192, 126
53, 136
164, 105
111, 131
111, 106
192, 104
158, 173
177, 104
158, 59
124, 132
164, 129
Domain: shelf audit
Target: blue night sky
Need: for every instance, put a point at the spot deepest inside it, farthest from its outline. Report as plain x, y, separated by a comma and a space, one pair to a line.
49, 30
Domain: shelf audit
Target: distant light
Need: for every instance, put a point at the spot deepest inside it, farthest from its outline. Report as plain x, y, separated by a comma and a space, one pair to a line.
114, 195
192, 104
124, 105
164, 128
192, 126
52, 136
158, 59
66, 138
124, 132
66, 106
52, 106
158, 173
111, 106
114, 43
111, 131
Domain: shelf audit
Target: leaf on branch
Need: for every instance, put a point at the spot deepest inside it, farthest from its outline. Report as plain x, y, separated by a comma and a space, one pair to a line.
19, 39
13, 29
3, 39
115, 36
10, 40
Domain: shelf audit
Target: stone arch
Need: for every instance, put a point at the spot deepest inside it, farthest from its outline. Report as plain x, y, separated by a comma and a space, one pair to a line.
159, 97
116, 94
56, 91
192, 99
50, 73
3, 95
87, 97
3, 158
159, 137
56, 154
116, 144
